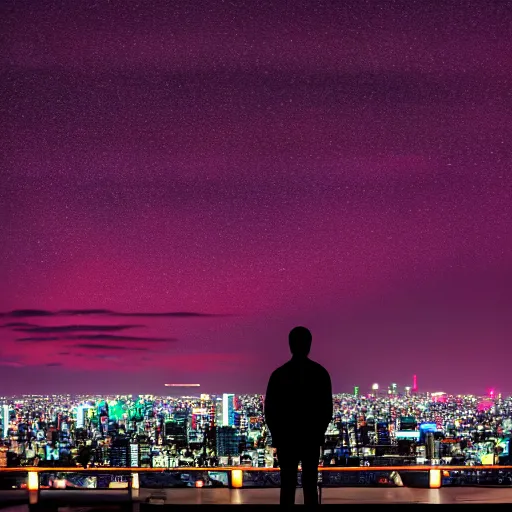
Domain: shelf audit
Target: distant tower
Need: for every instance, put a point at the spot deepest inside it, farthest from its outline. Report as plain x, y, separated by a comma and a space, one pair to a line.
228, 409
414, 384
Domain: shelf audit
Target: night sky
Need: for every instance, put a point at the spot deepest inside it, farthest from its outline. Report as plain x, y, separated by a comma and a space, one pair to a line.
184, 182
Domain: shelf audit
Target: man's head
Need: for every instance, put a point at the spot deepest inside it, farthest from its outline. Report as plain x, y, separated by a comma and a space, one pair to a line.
300, 341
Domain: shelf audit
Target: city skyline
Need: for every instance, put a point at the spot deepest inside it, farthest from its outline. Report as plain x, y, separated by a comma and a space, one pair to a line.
182, 184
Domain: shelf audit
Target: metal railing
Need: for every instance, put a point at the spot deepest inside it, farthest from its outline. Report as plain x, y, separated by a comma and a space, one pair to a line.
433, 475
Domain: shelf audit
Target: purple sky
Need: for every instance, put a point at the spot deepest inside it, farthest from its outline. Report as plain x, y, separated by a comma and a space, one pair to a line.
341, 165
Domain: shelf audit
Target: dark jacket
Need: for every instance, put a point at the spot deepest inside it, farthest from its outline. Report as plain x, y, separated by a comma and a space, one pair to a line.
298, 403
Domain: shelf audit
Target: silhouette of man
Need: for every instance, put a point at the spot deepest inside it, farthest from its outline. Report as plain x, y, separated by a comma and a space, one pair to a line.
298, 410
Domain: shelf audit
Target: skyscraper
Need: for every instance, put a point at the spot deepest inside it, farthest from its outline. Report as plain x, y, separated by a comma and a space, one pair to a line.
228, 442
414, 384
218, 412
134, 455
176, 430
383, 433
120, 452
228, 410
80, 417
5, 420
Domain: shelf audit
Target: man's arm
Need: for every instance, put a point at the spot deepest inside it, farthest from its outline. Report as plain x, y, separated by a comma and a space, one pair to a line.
270, 405
327, 400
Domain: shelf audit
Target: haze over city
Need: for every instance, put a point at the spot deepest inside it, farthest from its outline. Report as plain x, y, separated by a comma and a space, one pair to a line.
184, 182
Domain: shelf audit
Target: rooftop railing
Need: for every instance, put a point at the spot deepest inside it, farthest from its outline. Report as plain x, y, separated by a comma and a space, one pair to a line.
35, 479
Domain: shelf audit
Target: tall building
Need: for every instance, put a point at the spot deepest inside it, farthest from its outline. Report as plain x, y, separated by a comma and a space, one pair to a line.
144, 453
134, 455
80, 417
120, 452
383, 437
218, 412
5, 420
176, 432
228, 441
429, 445
241, 421
261, 457
228, 410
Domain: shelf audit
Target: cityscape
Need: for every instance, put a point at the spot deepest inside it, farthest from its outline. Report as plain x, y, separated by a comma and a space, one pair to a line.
387, 425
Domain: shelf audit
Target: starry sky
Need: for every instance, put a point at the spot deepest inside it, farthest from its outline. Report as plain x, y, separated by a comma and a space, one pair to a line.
184, 182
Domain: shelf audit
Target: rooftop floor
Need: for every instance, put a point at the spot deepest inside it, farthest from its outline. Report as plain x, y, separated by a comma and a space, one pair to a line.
346, 495
336, 495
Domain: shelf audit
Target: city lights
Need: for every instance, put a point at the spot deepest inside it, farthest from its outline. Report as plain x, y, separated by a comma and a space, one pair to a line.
146, 431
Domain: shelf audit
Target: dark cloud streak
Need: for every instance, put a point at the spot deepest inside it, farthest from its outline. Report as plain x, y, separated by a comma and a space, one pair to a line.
39, 338
99, 337
27, 313
98, 346
12, 325
111, 337
75, 328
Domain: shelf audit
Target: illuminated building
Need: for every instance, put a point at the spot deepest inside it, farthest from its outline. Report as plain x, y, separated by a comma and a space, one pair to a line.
228, 410
439, 396
120, 453
134, 455
429, 445
176, 430
218, 412
228, 441
80, 416
408, 423
241, 419
5, 420
144, 453
426, 428
383, 437
261, 457
200, 418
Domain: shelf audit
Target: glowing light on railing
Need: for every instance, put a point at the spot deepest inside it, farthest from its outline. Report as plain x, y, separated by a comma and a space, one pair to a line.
199, 483
434, 478
32, 481
237, 478
135, 480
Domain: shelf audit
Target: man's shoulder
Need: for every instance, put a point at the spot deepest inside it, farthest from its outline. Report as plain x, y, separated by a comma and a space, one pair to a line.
281, 370
290, 368
318, 368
